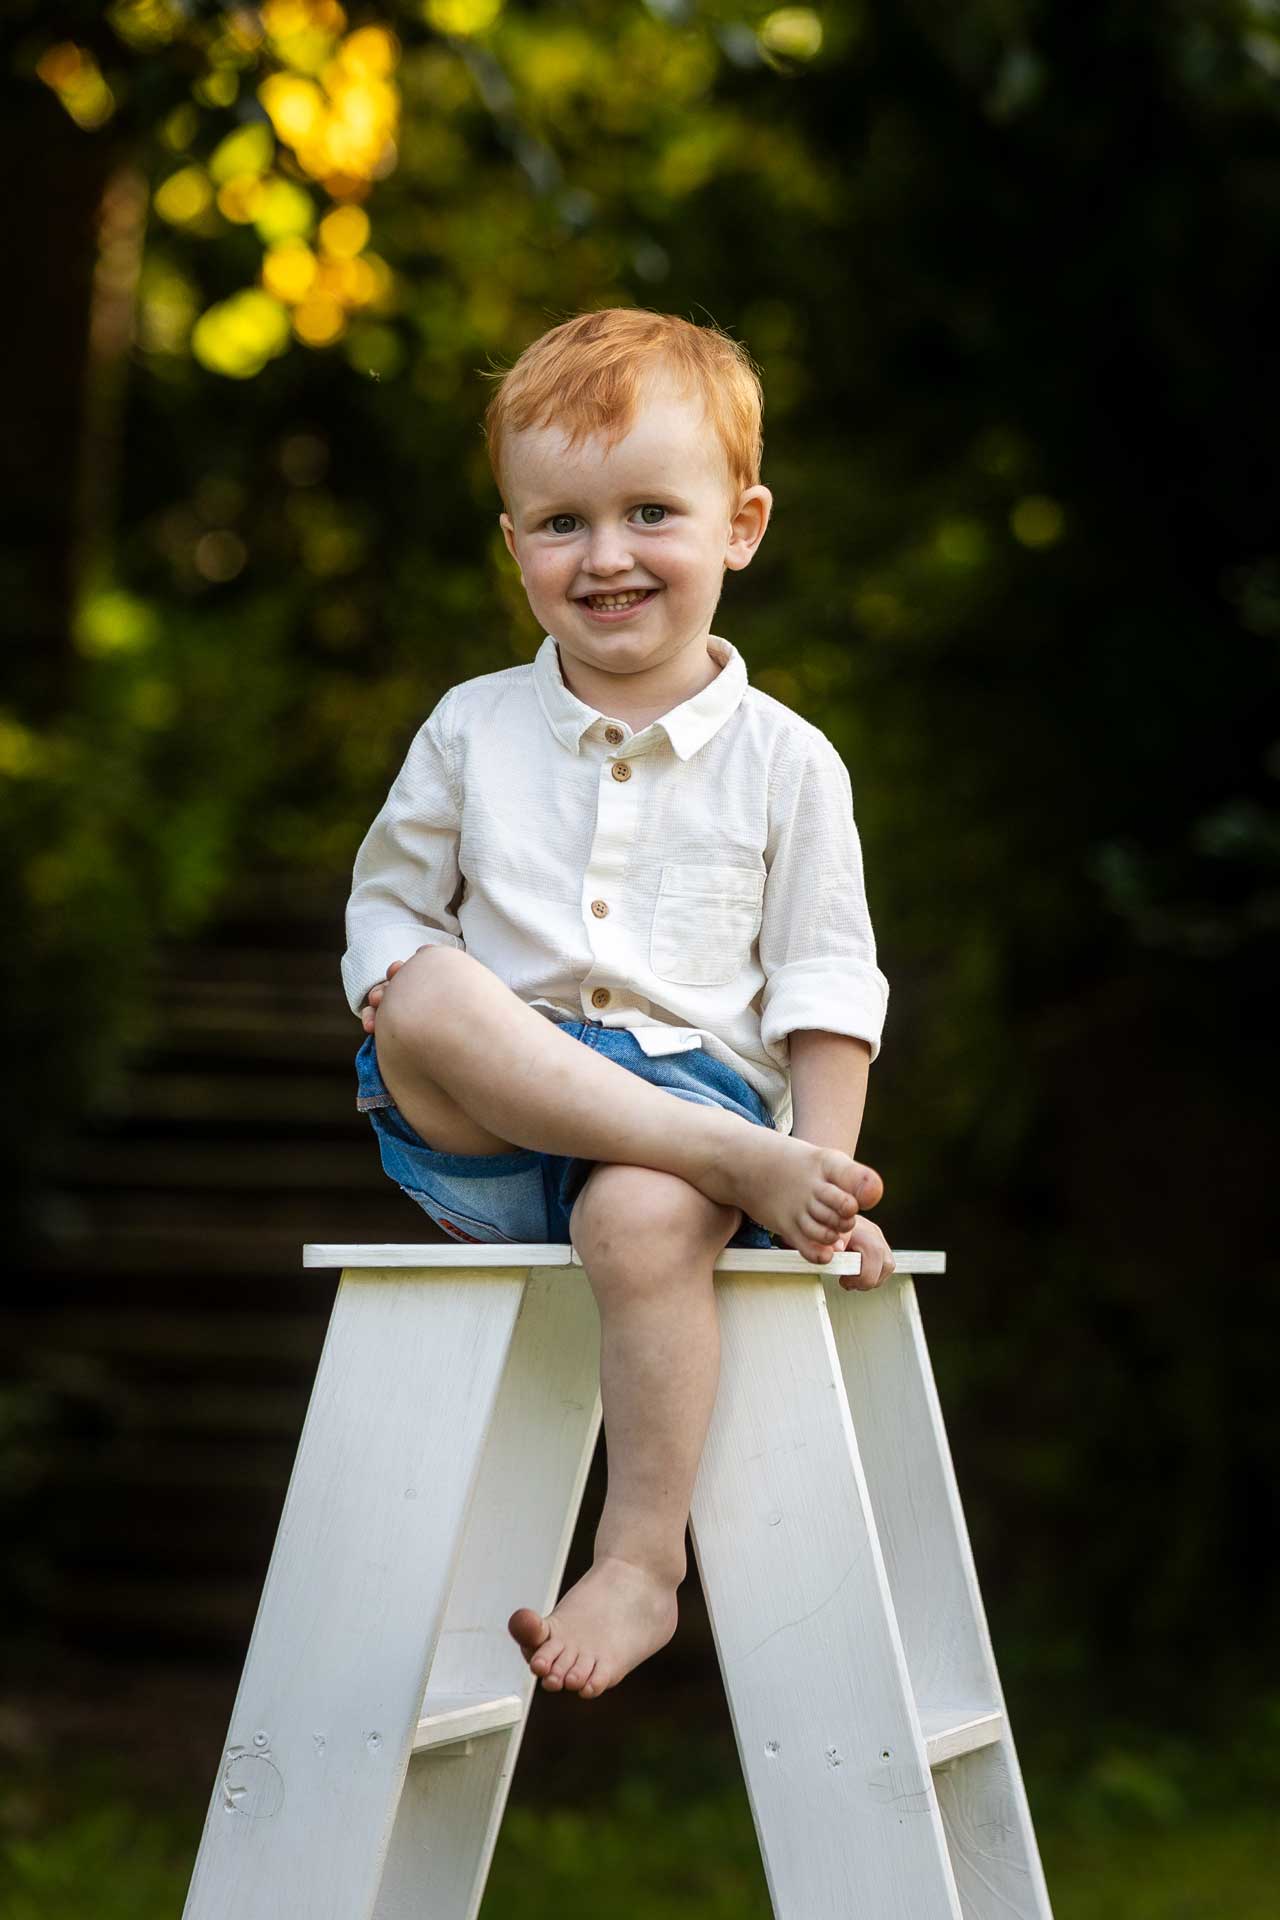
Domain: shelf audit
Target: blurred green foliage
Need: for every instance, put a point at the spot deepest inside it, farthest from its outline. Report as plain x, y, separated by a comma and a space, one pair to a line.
1010, 274
1134, 1837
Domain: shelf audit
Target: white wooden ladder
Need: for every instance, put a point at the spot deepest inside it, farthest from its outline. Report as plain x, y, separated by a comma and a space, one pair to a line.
436, 1488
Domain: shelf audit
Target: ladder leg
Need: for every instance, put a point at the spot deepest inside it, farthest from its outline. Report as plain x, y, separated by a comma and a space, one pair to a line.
529, 1490
920, 1521
355, 1596
830, 1742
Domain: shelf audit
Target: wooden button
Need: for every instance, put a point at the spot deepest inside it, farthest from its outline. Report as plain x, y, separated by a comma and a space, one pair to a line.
599, 909
613, 735
600, 998
621, 771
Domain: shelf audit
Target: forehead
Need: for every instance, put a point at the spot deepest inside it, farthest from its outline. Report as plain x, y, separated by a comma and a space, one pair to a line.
670, 442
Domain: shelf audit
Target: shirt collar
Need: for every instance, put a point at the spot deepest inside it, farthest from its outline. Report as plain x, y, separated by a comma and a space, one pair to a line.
688, 726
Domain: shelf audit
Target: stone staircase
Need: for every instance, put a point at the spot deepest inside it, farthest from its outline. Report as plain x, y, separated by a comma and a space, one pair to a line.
168, 1319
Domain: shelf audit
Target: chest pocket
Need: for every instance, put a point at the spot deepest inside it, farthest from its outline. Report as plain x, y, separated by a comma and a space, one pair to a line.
704, 921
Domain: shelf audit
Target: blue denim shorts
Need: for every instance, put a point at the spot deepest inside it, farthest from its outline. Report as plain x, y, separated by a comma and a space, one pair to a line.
528, 1195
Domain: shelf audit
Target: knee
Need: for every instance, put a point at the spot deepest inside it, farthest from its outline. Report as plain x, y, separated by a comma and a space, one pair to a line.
417, 993
642, 1219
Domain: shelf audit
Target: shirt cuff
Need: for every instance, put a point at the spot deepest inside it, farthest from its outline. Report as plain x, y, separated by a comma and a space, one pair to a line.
829, 997
366, 960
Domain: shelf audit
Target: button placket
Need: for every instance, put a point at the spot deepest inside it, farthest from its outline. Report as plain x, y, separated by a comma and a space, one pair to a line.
616, 824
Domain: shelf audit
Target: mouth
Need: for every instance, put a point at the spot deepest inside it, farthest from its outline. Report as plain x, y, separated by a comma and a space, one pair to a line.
612, 607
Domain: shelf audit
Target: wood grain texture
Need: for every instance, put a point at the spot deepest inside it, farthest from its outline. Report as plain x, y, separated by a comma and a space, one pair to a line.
528, 1253
355, 1596
546, 1419
813, 1665
920, 1522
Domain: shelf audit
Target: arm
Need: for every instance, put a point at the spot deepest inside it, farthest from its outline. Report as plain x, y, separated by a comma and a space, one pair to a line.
817, 948
828, 1087
824, 997
829, 1092
406, 880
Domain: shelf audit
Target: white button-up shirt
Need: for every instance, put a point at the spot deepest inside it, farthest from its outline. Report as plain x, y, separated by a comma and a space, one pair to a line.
698, 882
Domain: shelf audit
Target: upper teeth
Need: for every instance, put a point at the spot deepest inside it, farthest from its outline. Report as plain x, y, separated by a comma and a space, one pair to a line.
617, 599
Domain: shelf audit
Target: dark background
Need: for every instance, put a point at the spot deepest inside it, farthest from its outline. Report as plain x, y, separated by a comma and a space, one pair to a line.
1010, 273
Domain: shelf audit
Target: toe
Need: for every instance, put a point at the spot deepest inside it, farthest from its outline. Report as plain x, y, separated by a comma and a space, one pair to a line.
843, 1204
563, 1664
547, 1655
580, 1672
529, 1630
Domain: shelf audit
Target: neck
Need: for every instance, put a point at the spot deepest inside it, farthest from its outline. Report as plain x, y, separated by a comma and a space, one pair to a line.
641, 698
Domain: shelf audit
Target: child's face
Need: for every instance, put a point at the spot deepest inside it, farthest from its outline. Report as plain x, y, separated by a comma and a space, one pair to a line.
654, 519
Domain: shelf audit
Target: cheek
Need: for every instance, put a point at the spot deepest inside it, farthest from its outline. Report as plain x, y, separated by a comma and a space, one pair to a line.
548, 572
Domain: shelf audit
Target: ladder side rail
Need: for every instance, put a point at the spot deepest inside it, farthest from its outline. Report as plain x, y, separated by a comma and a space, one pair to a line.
323, 1724
920, 1521
831, 1747
541, 1441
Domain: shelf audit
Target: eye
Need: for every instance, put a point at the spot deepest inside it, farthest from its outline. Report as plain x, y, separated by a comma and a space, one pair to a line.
556, 517
652, 508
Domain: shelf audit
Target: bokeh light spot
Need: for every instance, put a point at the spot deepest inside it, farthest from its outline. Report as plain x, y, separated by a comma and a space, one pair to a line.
289, 271
113, 621
461, 17
318, 322
74, 75
1037, 521
793, 32
249, 149
20, 755
345, 232
961, 541
184, 196
220, 555
286, 211
240, 199
238, 336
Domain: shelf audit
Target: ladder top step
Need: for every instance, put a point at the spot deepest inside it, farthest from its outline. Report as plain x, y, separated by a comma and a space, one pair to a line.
528, 1253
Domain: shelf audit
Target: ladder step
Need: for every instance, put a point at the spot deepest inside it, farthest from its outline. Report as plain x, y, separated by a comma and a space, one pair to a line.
950, 1731
448, 1717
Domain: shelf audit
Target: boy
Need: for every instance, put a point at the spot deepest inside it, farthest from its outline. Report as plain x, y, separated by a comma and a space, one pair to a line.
614, 875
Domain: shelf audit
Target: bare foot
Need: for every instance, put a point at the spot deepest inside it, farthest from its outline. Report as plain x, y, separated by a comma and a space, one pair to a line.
809, 1195
611, 1620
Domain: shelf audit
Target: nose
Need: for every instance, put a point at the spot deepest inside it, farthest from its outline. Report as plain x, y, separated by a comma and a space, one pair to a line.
608, 551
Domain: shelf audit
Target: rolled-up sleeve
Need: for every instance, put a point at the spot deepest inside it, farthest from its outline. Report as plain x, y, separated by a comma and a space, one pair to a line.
817, 948
406, 878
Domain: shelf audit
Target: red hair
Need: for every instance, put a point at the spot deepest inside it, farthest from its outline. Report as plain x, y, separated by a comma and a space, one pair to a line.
586, 375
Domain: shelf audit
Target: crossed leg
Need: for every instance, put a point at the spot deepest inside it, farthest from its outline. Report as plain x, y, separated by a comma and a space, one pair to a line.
476, 1071
648, 1242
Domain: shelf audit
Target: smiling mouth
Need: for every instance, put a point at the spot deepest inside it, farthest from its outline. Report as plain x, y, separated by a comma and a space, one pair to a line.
617, 602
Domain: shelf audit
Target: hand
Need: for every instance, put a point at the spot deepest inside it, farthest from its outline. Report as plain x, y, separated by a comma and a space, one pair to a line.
374, 997
863, 1237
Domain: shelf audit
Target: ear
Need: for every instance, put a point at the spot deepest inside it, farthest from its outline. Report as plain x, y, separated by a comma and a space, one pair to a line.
509, 535
746, 528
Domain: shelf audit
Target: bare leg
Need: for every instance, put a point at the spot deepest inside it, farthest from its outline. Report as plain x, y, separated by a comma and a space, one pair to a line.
648, 1242
446, 1021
